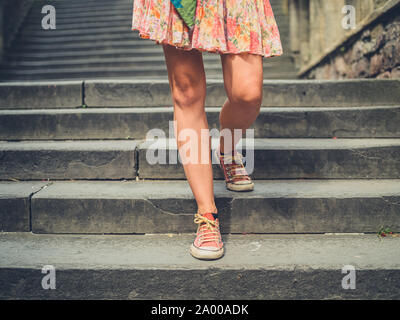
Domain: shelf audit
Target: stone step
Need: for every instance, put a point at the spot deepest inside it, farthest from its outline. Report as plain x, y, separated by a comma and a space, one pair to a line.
157, 159
48, 94
122, 13
89, 31
96, 69
90, 4
94, 19
272, 122
90, 159
76, 11
92, 23
210, 74
288, 159
140, 52
84, 45
128, 62
120, 25
101, 29
146, 53
123, 52
70, 73
276, 93
131, 36
144, 92
67, 7
160, 267
125, 76
131, 207
132, 62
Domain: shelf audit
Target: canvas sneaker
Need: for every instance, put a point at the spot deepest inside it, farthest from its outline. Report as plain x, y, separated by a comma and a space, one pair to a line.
236, 177
208, 243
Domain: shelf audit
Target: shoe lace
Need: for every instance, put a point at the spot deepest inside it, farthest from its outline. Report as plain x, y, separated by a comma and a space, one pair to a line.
234, 166
208, 229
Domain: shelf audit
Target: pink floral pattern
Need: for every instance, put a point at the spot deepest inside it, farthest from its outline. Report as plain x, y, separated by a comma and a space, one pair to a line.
222, 26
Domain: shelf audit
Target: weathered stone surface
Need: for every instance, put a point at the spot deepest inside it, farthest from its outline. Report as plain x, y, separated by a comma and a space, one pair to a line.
127, 93
160, 267
116, 207
96, 123
276, 93
376, 64
283, 215
39, 95
384, 75
378, 36
395, 72
289, 159
361, 68
146, 93
327, 159
15, 205
341, 67
374, 53
275, 206
330, 93
389, 55
326, 122
68, 159
135, 123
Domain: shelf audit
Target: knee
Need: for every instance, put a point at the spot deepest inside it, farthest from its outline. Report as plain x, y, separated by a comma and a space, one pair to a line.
188, 93
249, 97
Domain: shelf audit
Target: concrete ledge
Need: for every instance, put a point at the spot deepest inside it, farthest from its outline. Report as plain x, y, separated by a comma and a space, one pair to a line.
330, 93
125, 159
120, 123
31, 95
160, 267
289, 159
277, 93
156, 93
127, 93
68, 159
15, 203
275, 206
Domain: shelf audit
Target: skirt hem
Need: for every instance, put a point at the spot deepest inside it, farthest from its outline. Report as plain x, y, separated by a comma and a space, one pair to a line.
144, 35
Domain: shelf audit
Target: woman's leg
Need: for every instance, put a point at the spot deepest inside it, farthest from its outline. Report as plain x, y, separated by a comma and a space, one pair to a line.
243, 80
188, 89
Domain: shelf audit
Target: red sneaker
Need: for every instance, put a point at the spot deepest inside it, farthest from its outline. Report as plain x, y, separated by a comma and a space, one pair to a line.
236, 177
208, 244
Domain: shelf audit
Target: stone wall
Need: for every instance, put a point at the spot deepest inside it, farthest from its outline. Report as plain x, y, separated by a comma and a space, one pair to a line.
323, 49
375, 53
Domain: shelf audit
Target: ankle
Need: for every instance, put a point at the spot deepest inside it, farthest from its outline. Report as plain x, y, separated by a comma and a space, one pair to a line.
226, 152
203, 210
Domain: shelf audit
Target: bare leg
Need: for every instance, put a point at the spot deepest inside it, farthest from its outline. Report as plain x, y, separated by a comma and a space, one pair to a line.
243, 80
188, 89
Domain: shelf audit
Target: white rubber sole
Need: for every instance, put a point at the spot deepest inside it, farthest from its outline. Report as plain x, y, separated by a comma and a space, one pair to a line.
206, 254
240, 187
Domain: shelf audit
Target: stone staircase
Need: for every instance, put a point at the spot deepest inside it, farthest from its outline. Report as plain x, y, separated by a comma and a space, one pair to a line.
93, 39
77, 192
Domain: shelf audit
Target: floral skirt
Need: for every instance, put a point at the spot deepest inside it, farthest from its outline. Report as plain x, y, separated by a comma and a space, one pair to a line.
221, 26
